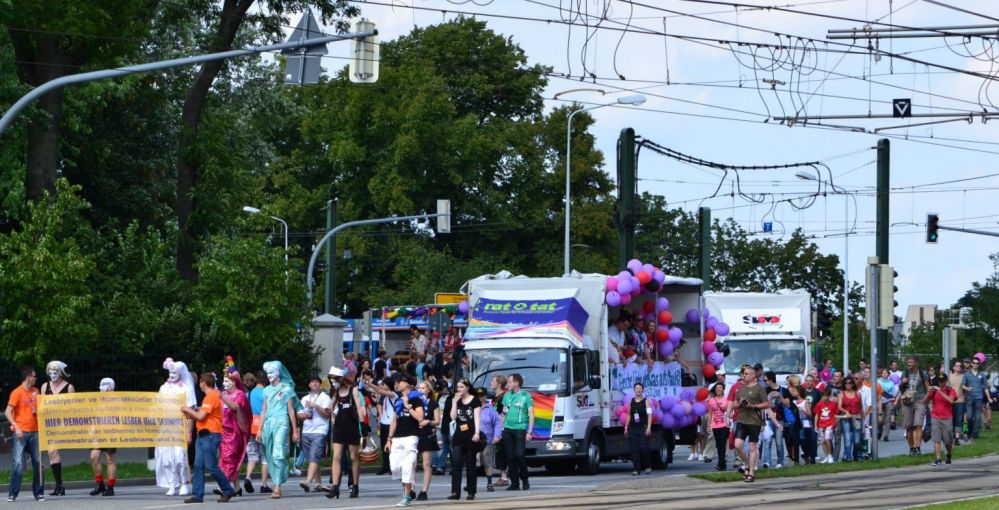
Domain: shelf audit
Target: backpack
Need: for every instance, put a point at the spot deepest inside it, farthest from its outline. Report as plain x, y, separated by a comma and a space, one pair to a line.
791, 417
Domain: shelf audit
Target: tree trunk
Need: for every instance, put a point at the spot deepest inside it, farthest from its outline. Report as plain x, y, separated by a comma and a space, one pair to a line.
232, 16
40, 61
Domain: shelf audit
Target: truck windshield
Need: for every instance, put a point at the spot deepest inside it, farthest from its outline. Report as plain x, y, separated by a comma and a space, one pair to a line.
777, 356
543, 369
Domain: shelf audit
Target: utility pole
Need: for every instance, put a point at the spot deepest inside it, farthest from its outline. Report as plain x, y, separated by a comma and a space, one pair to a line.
625, 219
330, 278
884, 154
704, 246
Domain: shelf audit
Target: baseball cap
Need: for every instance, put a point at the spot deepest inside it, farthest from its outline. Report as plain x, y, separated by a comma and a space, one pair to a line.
758, 366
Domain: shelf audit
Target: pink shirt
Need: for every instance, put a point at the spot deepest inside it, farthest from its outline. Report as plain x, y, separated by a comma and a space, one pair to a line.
717, 407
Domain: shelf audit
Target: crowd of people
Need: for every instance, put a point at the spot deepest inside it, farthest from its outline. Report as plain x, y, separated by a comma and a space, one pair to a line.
825, 416
260, 419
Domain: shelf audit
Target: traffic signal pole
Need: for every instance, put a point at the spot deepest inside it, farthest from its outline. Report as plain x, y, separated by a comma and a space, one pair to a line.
884, 155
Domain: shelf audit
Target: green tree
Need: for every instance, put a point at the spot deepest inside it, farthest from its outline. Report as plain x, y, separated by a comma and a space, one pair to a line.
45, 298
48, 46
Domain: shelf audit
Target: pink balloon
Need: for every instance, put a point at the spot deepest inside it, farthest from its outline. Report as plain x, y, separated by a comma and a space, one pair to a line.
625, 299
612, 283
709, 348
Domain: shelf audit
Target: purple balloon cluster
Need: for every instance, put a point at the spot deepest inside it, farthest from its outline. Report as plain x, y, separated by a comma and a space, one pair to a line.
631, 282
713, 328
682, 410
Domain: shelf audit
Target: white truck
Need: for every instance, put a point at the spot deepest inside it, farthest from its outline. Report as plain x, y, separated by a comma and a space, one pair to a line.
554, 332
773, 329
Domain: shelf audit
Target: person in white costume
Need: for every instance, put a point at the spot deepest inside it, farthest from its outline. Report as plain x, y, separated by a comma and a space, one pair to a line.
172, 469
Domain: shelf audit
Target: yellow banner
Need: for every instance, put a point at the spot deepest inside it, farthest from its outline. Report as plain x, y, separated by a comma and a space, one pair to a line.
114, 419
449, 298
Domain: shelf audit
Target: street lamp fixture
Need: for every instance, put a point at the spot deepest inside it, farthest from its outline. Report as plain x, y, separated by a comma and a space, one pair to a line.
255, 210
631, 100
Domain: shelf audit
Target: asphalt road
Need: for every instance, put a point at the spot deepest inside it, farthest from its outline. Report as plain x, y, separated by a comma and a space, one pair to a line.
382, 491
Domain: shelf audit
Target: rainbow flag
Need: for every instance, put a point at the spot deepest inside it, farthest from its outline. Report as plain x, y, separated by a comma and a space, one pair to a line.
544, 411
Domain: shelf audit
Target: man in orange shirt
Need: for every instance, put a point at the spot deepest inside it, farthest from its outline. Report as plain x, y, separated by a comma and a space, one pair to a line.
208, 419
22, 413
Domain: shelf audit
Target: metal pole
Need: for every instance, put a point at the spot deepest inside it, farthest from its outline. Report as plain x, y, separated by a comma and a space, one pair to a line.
51, 85
335, 231
884, 165
846, 284
568, 179
284, 226
872, 283
329, 278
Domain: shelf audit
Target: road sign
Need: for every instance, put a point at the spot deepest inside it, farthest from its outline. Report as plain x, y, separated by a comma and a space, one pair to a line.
303, 67
768, 226
901, 108
449, 298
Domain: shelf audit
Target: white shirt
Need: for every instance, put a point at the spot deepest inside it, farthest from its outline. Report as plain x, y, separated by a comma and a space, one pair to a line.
388, 411
865, 401
316, 424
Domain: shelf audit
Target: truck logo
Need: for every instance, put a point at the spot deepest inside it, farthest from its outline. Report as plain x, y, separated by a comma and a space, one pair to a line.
761, 319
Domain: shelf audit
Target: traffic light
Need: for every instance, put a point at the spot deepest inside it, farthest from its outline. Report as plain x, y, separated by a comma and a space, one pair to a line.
886, 296
932, 225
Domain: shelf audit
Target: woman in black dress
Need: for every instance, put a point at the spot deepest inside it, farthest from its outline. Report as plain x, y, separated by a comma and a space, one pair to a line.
465, 443
427, 444
345, 406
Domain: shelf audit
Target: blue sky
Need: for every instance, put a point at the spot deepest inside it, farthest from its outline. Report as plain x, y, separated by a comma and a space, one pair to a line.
708, 99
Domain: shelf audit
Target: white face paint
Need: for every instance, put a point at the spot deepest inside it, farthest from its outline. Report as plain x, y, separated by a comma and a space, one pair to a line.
227, 384
335, 385
173, 377
273, 374
54, 375
106, 387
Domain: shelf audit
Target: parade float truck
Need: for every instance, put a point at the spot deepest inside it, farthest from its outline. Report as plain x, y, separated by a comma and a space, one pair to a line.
773, 329
554, 332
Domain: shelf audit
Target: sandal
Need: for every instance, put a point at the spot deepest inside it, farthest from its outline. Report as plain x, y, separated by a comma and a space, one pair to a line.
749, 478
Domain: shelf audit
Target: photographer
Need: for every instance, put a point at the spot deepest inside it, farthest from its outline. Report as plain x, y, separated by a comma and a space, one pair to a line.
942, 415
751, 400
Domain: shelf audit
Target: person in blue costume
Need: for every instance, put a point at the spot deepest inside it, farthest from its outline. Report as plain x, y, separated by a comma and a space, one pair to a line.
279, 412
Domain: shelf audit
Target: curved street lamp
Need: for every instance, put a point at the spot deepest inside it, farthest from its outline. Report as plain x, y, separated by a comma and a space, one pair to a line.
255, 210
632, 100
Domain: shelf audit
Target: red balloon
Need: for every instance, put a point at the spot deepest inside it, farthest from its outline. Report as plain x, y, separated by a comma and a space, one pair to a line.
710, 335
662, 334
665, 317
709, 374
702, 393
643, 277
648, 307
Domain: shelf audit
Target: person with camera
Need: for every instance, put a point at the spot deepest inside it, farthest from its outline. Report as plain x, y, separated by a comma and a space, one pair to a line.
942, 397
917, 385
751, 401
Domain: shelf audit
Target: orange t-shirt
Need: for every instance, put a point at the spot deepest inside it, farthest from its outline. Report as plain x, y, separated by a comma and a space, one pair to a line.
212, 407
25, 404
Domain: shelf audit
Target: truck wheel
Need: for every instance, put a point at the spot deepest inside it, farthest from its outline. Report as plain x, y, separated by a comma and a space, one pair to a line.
594, 454
660, 457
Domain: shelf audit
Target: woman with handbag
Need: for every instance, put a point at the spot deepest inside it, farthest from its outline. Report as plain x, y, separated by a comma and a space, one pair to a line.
465, 443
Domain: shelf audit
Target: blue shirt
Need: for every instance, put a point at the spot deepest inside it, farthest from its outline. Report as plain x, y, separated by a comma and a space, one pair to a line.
257, 400
976, 383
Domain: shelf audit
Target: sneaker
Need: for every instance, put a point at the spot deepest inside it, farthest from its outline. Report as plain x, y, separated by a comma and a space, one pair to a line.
405, 501
184, 490
693, 456
937, 463
766, 465
40, 497
490, 488
648, 471
11, 499
296, 472
502, 482
778, 466
634, 473
172, 491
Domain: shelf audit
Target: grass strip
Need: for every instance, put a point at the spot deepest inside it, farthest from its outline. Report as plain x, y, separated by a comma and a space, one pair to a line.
83, 471
985, 503
987, 444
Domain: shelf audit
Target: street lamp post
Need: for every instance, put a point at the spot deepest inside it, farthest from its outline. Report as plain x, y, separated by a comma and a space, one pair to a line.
284, 225
846, 260
633, 100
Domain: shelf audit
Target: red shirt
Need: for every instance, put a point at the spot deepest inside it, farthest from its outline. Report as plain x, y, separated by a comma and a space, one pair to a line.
851, 404
941, 408
825, 414
731, 398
